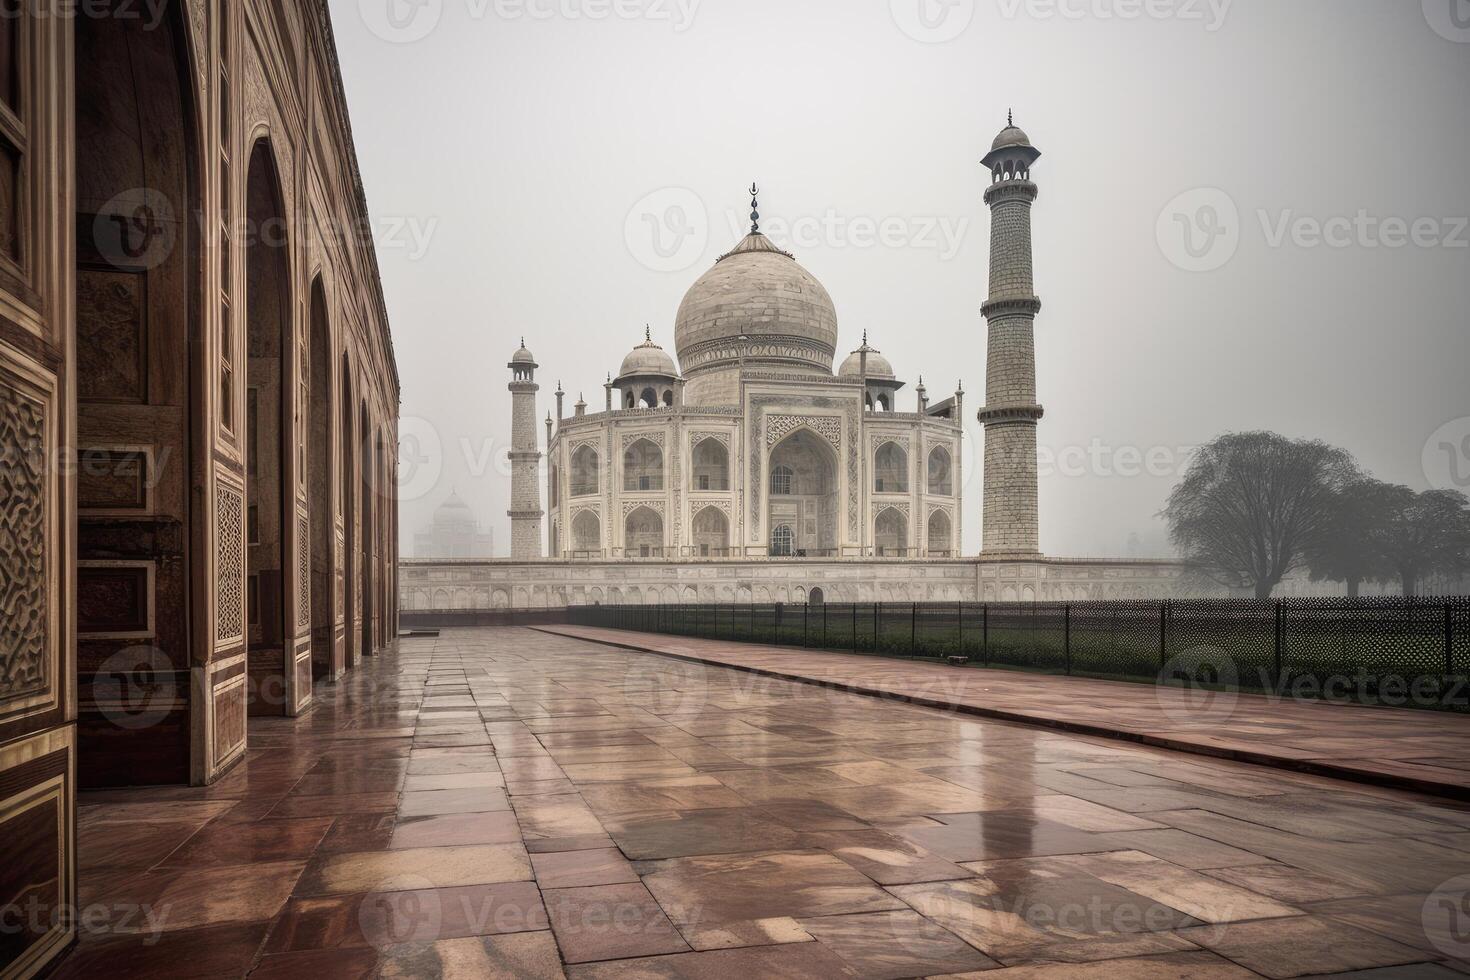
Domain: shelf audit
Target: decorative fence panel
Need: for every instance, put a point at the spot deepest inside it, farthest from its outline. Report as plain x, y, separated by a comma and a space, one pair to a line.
1392, 651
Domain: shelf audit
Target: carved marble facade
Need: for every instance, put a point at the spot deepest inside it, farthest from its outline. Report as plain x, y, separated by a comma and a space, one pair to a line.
130, 369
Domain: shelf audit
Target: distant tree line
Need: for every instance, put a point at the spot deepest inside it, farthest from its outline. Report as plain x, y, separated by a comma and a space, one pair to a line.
1255, 507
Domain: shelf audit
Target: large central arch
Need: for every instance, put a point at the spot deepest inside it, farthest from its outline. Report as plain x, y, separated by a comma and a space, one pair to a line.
804, 493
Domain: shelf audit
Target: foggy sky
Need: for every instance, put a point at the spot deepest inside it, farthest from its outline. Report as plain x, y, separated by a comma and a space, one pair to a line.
503, 153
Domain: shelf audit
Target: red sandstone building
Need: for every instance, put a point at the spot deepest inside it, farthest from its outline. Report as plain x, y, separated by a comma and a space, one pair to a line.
198, 404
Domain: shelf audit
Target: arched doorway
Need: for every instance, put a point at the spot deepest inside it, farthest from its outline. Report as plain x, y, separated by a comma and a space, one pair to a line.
711, 465
268, 393
643, 467
325, 662
586, 534
711, 533
366, 543
643, 534
804, 494
138, 385
351, 587
941, 535
891, 534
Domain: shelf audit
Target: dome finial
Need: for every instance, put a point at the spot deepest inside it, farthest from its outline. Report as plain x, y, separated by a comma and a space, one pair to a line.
1010, 117
648, 332
755, 214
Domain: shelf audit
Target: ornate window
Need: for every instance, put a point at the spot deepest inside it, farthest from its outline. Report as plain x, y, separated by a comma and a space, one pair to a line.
783, 541
891, 469
643, 467
941, 478
783, 479
585, 466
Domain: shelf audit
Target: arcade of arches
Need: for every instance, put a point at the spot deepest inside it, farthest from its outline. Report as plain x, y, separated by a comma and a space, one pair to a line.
176, 288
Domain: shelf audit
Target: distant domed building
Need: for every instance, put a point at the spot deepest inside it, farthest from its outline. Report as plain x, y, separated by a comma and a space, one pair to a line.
750, 445
454, 533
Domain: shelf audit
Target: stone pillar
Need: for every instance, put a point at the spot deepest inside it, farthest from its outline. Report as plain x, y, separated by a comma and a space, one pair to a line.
525, 460
1010, 522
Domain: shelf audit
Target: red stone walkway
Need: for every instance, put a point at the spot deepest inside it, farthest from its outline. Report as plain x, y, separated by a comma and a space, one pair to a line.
1422, 750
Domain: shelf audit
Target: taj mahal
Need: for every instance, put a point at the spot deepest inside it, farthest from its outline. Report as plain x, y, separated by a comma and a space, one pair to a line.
752, 466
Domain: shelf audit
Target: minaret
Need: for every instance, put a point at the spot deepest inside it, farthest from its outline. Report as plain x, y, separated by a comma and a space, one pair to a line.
1011, 411
525, 459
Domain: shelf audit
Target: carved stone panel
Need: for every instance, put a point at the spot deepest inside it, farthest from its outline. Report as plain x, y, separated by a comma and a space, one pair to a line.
111, 346
229, 563
25, 661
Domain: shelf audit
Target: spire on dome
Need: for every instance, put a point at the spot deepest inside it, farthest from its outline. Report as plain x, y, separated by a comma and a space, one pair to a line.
755, 213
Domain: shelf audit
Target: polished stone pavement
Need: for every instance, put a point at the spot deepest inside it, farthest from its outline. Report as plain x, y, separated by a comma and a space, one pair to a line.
506, 802
1399, 747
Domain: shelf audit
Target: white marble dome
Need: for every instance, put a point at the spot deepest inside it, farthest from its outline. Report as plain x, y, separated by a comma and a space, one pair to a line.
648, 360
762, 294
878, 367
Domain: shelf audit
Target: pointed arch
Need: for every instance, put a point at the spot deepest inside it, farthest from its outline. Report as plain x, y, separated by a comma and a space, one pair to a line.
891, 469
940, 535
643, 533
643, 466
711, 532
940, 472
891, 533
586, 533
711, 465
586, 472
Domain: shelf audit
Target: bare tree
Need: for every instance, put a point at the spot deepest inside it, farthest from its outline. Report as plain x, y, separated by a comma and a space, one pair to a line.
1253, 505
1352, 549
1426, 534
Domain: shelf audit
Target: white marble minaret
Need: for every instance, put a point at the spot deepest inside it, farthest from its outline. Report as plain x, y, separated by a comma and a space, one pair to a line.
525, 459
1011, 410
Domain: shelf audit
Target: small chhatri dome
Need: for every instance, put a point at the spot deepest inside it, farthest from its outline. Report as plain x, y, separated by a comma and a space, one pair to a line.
648, 359
523, 356
878, 367
1012, 135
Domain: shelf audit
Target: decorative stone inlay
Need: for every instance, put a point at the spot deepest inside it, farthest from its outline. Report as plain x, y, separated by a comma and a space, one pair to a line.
876, 441
901, 506
593, 509
595, 444
24, 599
229, 563
303, 570
657, 506
723, 438
828, 427
696, 506
655, 436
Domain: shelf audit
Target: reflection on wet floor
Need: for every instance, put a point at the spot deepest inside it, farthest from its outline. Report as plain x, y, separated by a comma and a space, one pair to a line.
511, 803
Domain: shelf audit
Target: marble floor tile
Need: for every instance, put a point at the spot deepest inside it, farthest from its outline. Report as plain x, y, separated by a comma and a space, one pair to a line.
608, 922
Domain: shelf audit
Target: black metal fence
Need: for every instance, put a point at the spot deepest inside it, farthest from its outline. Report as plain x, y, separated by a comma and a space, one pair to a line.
1408, 652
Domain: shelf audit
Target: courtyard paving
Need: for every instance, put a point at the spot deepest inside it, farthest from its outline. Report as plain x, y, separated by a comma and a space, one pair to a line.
508, 802
1399, 747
